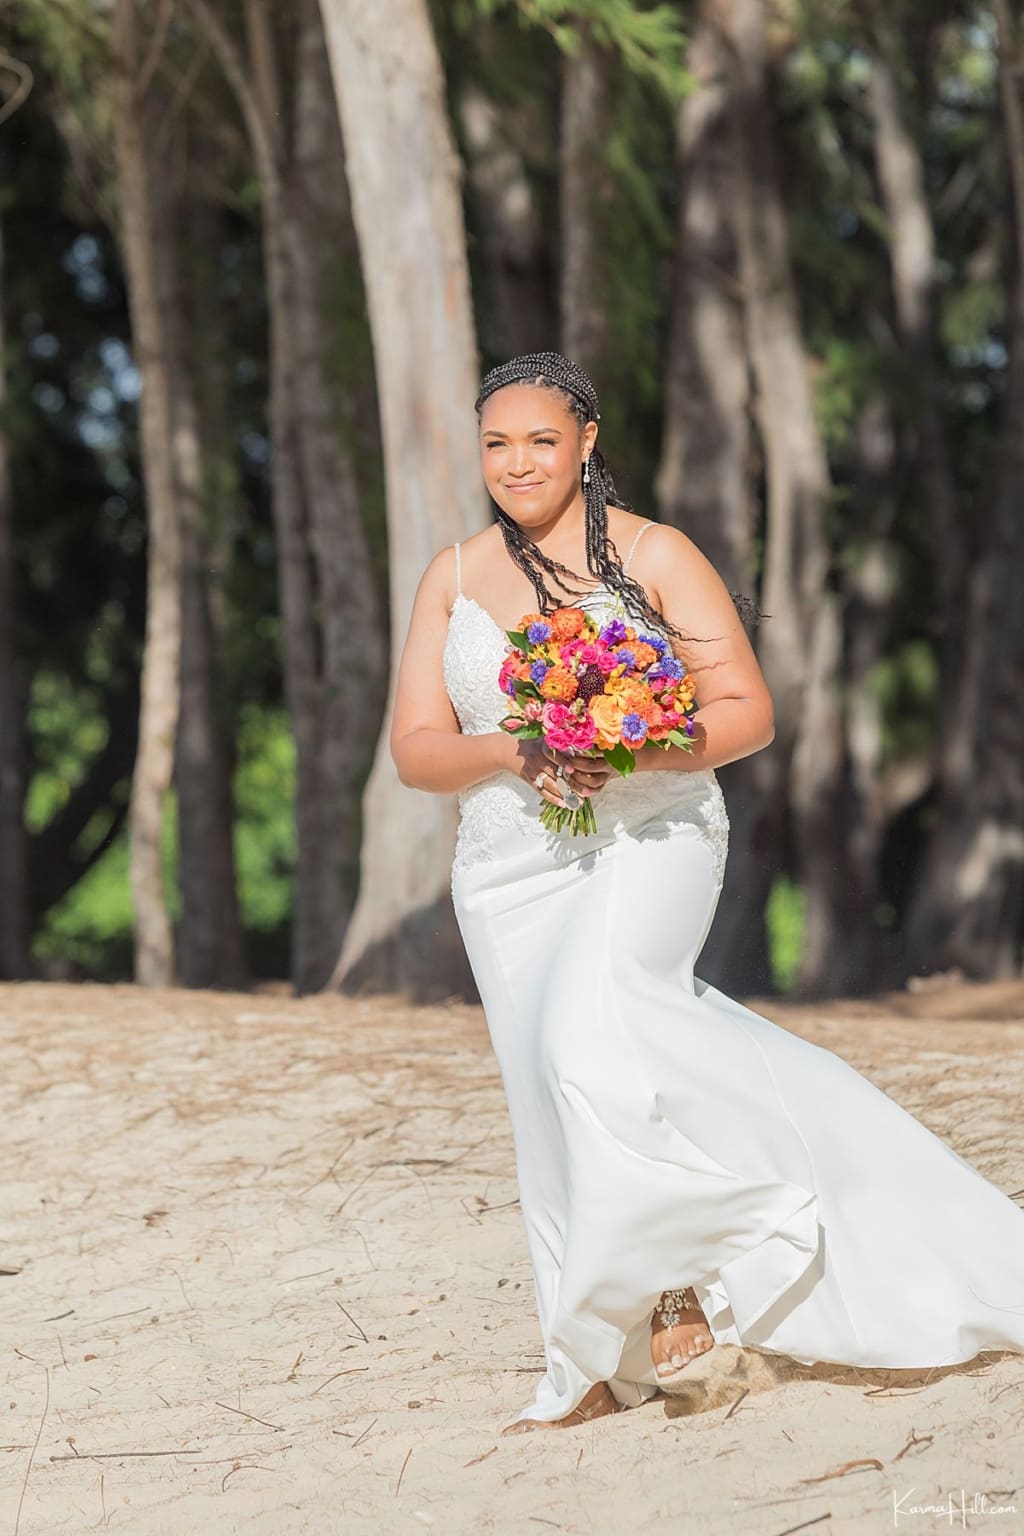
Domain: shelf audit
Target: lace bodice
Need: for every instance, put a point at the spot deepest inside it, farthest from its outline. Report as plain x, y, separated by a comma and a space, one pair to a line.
474, 650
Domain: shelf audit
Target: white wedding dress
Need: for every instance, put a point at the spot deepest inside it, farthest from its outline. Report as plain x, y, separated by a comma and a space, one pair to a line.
664, 1134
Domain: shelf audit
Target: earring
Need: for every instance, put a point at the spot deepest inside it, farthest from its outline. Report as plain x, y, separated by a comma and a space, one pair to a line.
586, 471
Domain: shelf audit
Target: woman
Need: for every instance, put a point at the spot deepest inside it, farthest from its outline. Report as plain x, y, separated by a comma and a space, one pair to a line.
689, 1173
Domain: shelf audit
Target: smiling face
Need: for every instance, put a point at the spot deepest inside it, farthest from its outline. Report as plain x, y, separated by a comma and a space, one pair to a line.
531, 452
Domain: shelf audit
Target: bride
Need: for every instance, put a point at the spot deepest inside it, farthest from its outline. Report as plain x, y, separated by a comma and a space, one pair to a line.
689, 1173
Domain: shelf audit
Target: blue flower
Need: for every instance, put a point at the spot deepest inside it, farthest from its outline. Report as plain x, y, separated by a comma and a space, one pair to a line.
634, 727
627, 656
655, 642
538, 631
538, 671
668, 667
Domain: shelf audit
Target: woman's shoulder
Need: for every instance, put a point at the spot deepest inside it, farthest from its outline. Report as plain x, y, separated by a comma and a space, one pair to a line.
442, 570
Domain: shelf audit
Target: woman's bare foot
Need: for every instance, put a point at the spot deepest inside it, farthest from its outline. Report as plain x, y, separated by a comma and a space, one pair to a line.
684, 1337
597, 1402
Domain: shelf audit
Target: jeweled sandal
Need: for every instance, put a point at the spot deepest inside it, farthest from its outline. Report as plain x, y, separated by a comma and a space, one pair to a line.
669, 1309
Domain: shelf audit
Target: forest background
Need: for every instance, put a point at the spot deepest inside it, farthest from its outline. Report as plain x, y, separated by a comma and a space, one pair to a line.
253, 260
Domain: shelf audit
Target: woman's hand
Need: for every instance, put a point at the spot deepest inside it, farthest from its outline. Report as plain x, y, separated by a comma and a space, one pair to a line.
586, 775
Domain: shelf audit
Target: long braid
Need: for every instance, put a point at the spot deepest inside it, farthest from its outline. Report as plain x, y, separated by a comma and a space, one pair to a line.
550, 370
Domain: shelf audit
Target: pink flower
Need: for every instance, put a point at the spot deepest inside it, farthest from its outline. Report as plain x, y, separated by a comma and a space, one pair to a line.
570, 649
607, 661
532, 709
590, 655
585, 734
559, 724
508, 668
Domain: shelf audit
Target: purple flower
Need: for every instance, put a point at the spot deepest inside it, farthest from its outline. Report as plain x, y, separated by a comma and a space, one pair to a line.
538, 670
655, 642
667, 667
625, 655
613, 631
634, 727
688, 727
538, 632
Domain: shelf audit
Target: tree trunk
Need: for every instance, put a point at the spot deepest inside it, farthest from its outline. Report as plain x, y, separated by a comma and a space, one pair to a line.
210, 948
14, 889
327, 586
912, 246
404, 179
794, 652
521, 315
703, 482
969, 910
870, 585
585, 196
139, 181
349, 599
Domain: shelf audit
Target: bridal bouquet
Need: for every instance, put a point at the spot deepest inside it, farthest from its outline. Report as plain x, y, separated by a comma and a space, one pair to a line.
594, 690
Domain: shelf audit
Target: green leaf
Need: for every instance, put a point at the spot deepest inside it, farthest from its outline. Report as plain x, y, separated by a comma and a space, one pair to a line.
621, 758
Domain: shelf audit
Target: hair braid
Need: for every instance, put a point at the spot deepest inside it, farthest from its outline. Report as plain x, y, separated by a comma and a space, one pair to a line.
552, 371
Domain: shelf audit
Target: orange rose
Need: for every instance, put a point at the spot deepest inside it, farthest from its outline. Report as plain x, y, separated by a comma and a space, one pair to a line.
607, 714
559, 684
566, 623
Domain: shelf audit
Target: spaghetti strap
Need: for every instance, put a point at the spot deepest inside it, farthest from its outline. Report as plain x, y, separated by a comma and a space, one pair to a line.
639, 533
458, 571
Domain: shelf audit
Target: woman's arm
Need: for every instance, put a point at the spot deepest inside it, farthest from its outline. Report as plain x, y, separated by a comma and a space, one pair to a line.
735, 717
427, 747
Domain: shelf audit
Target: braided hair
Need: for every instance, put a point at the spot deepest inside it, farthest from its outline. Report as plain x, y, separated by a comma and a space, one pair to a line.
574, 387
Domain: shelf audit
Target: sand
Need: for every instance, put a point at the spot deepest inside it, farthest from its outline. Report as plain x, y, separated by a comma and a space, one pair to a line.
262, 1270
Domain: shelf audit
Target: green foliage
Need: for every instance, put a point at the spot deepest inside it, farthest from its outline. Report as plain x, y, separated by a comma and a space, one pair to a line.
90, 930
68, 725
785, 916
265, 830
905, 686
650, 39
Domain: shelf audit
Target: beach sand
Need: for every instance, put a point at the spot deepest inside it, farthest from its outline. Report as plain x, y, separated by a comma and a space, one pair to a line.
262, 1270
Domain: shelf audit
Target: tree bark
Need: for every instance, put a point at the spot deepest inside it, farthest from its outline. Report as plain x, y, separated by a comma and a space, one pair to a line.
404, 179
349, 599
210, 949
14, 882
139, 181
703, 483
327, 587
522, 313
912, 246
969, 910
585, 195
796, 644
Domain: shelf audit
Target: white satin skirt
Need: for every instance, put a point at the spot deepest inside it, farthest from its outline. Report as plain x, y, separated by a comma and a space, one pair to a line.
665, 1135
